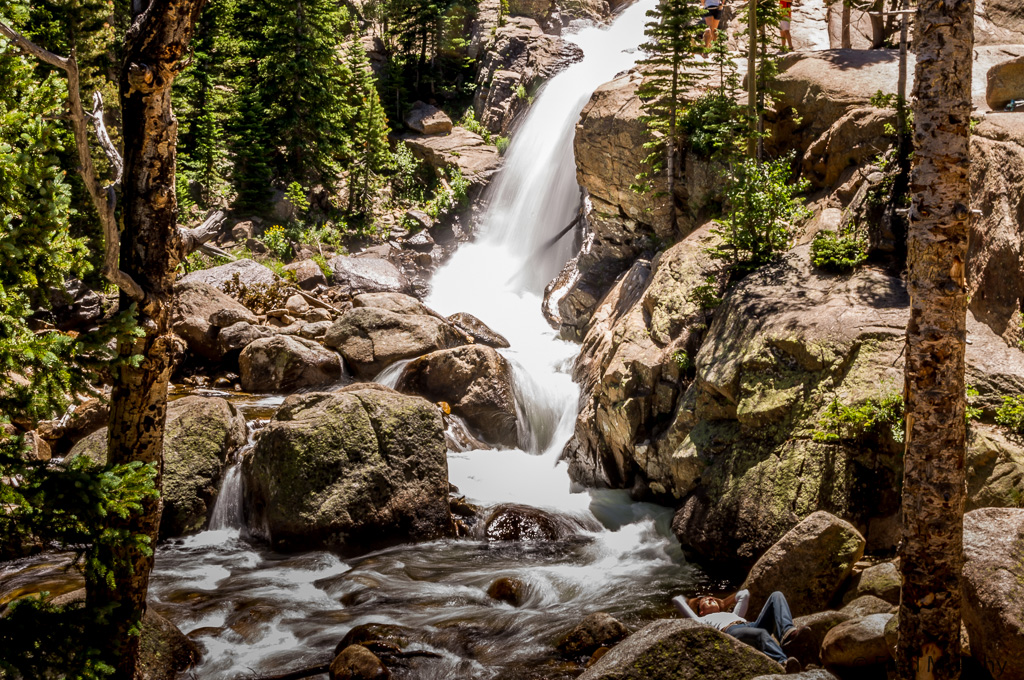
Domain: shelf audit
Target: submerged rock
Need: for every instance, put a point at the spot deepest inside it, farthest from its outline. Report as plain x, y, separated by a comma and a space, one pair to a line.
200, 434
674, 649
476, 382
505, 589
350, 470
358, 663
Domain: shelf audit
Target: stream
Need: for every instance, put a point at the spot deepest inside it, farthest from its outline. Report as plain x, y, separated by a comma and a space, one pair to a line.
254, 611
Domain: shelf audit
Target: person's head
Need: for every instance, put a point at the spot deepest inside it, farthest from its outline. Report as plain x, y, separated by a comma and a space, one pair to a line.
707, 604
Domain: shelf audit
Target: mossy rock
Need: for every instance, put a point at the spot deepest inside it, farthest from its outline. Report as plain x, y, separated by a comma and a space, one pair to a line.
200, 434
350, 470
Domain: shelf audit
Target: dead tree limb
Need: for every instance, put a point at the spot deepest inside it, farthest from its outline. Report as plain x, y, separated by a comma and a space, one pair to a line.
101, 133
103, 198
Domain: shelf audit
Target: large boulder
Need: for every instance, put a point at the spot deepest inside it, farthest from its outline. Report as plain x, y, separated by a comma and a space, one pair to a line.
866, 605
807, 646
238, 336
284, 363
200, 434
1005, 82
856, 643
998, 22
672, 649
478, 330
307, 274
349, 470
993, 589
786, 343
371, 339
513, 522
476, 382
995, 261
809, 564
399, 303
197, 306
164, 651
368, 275
249, 274
635, 354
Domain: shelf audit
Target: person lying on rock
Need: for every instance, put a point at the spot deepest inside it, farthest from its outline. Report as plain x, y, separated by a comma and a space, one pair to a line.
774, 619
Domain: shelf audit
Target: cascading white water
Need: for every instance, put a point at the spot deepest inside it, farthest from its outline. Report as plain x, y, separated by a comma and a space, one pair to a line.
254, 610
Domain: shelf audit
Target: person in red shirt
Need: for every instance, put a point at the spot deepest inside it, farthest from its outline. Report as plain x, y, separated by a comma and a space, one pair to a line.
785, 16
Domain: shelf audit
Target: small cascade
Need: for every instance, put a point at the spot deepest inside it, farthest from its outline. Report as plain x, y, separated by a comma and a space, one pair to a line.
390, 375
227, 510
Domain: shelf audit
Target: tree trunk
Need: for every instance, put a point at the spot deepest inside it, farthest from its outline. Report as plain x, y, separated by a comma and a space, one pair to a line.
151, 248
670, 143
931, 554
752, 78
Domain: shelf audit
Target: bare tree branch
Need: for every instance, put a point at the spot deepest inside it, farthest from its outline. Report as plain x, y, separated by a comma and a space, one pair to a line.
101, 133
102, 198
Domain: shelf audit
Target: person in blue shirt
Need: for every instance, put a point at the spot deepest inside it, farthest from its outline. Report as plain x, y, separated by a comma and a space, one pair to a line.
775, 620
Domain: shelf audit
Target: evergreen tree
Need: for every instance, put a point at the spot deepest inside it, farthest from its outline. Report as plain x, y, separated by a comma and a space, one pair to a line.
670, 69
371, 152
301, 86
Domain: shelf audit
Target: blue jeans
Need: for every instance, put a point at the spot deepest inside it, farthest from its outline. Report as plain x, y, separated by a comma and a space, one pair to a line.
774, 619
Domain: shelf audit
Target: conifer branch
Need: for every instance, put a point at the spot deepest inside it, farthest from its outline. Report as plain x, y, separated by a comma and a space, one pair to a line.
103, 198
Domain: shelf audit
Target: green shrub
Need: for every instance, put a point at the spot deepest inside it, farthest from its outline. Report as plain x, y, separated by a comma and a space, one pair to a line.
502, 144
470, 122
682, 360
277, 241
763, 205
842, 423
971, 412
705, 295
1011, 413
837, 252
711, 123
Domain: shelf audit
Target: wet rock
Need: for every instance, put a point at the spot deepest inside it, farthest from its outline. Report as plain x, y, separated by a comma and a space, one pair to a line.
476, 382
674, 649
380, 638
511, 522
479, 331
596, 630
807, 647
993, 588
164, 651
428, 120
371, 339
358, 663
809, 564
252, 623
249, 274
857, 643
505, 589
398, 303
200, 310
357, 275
200, 434
307, 274
881, 580
866, 605
349, 470
284, 363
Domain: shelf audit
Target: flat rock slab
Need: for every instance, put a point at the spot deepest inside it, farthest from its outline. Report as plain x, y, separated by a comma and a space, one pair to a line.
460, 149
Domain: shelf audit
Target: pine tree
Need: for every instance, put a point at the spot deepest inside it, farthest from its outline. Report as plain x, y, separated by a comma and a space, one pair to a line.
670, 69
301, 86
371, 152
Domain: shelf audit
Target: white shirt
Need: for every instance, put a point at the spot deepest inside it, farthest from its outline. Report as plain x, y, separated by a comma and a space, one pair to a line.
719, 620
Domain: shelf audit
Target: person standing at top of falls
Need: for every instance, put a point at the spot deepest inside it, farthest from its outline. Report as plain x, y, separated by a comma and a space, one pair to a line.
712, 15
775, 620
785, 16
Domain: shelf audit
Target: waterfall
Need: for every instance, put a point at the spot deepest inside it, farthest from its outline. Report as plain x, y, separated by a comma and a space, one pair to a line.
227, 509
